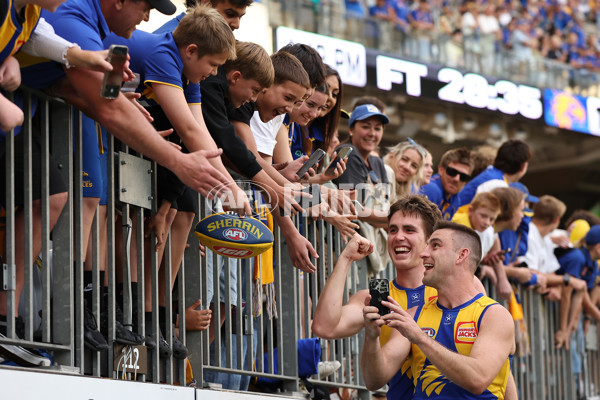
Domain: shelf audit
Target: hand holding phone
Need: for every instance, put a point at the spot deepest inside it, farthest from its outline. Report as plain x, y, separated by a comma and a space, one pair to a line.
111, 84
379, 289
343, 153
314, 159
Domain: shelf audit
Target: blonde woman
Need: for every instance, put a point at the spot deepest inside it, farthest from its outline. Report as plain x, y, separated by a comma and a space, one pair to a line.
403, 165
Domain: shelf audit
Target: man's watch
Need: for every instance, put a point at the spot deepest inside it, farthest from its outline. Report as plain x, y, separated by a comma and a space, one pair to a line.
566, 279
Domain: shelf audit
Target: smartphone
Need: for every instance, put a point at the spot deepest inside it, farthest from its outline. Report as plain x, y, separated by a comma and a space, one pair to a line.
314, 159
342, 155
379, 289
111, 84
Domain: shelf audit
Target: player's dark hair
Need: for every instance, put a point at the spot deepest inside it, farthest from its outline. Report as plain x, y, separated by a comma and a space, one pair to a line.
463, 236
311, 61
512, 155
418, 206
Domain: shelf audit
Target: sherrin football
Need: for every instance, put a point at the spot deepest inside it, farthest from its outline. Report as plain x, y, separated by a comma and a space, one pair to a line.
231, 236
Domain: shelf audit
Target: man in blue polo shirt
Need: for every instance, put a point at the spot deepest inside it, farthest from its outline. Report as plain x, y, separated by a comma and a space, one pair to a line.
454, 171
88, 22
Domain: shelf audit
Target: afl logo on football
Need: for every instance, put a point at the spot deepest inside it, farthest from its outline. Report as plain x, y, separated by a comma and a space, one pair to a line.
235, 234
429, 331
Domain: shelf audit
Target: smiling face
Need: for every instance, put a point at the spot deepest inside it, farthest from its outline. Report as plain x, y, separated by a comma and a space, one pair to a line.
279, 99
243, 90
406, 241
309, 109
231, 13
333, 85
366, 135
481, 218
128, 16
438, 258
198, 69
407, 165
453, 184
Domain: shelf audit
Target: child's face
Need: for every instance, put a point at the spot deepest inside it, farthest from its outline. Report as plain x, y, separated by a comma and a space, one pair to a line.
198, 69
243, 90
279, 99
310, 109
482, 218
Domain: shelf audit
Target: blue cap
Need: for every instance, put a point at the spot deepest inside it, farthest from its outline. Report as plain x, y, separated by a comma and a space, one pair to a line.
592, 238
529, 197
367, 111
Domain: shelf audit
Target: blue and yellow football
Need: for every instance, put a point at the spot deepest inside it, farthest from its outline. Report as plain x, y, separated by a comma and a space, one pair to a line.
231, 236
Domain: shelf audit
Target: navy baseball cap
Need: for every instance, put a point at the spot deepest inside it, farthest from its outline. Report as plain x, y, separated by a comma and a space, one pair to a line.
365, 111
528, 197
163, 6
592, 238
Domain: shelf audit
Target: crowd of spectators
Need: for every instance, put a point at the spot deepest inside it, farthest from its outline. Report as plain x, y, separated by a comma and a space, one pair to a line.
472, 33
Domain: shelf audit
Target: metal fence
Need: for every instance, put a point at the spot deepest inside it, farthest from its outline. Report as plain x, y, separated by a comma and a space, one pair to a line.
485, 55
540, 371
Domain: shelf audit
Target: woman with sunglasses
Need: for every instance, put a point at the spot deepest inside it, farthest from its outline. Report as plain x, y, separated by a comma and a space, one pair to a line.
404, 165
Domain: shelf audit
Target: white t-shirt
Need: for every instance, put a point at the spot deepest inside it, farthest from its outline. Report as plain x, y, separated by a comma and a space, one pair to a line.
487, 240
488, 186
540, 252
488, 23
265, 133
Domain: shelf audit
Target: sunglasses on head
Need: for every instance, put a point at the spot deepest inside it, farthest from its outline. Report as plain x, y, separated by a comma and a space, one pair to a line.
453, 172
419, 148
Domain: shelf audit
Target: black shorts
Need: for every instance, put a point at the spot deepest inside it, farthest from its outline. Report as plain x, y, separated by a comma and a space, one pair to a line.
57, 183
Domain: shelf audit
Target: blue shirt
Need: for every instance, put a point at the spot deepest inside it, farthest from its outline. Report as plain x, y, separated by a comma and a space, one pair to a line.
590, 272
465, 196
156, 58
571, 262
435, 193
170, 25
295, 139
516, 240
78, 21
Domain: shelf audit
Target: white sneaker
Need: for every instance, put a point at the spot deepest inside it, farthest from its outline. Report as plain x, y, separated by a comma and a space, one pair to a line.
327, 368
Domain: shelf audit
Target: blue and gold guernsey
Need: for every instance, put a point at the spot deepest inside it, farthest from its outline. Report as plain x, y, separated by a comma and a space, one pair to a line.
457, 330
401, 387
157, 59
16, 27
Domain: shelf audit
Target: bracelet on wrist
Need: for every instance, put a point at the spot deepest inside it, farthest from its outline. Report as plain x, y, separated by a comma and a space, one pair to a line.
566, 279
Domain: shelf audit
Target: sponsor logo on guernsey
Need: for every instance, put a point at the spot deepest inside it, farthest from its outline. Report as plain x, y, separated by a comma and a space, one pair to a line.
466, 332
429, 331
235, 234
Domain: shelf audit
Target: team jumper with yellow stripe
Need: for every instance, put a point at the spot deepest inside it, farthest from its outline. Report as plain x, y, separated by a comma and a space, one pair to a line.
16, 27
456, 329
401, 387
